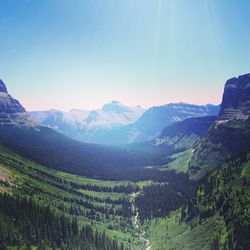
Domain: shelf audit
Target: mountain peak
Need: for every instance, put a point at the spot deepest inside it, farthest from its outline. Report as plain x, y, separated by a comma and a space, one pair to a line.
11, 111
240, 80
3, 88
229, 136
115, 107
235, 102
116, 102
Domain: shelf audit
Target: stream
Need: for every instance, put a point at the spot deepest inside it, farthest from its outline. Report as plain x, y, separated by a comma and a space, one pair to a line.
136, 223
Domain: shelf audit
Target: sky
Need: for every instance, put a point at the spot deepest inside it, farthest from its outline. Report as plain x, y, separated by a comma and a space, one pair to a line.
65, 54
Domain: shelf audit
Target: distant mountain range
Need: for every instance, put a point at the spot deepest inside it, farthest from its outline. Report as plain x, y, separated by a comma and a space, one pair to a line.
52, 149
214, 134
113, 114
117, 123
194, 168
84, 125
36, 140
155, 119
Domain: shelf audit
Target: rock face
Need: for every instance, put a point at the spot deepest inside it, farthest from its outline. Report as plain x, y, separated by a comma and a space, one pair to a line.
3, 88
229, 136
10, 109
236, 98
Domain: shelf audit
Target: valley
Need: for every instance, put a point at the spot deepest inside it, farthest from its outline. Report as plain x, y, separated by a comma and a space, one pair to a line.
187, 188
105, 205
124, 125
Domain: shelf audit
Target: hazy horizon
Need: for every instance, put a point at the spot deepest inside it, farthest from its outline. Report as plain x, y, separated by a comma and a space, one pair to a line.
60, 107
82, 54
98, 108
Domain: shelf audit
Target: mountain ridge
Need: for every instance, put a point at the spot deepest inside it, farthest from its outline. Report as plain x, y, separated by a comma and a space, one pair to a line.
235, 102
84, 125
11, 111
150, 125
229, 136
55, 150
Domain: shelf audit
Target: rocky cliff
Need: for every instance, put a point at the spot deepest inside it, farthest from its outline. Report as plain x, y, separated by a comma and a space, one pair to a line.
3, 88
236, 99
11, 111
229, 136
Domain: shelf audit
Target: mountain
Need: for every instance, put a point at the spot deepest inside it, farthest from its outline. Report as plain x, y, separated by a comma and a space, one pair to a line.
216, 216
196, 125
55, 117
68, 123
154, 120
113, 114
236, 102
11, 110
230, 134
116, 123
185, 133
52, 149
173, 148
87, 126
208, 211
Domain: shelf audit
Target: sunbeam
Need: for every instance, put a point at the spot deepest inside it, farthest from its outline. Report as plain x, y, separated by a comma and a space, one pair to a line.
213, 35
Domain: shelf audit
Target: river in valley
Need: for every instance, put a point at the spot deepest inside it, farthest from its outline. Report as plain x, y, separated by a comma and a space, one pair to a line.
141, 233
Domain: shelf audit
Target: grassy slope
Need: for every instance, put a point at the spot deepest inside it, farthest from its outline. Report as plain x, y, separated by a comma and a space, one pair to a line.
48, 186
170, 233
200, 232
180, 161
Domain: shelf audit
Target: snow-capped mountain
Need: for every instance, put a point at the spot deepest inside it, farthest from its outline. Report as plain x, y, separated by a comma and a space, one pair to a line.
154, 120
114, 114
85, 125
68, 123
116, 123
52, 117
76, 115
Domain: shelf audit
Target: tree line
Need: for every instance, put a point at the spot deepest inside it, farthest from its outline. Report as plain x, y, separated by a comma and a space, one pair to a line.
159, 200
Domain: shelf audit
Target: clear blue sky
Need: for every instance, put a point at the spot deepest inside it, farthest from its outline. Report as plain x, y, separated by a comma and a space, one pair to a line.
80, 54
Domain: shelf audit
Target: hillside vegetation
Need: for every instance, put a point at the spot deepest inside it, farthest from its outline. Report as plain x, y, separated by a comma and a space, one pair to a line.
218, 217
105, 205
